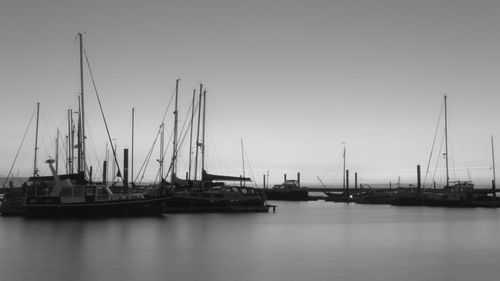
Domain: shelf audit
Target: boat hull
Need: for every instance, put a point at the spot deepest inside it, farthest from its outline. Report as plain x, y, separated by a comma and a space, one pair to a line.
50, 207
200, 205
287, 195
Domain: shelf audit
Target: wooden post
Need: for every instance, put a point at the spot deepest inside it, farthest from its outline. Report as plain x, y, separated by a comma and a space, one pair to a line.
347, 180
105, 172
125, 168
132, 152
418, 178
90, 174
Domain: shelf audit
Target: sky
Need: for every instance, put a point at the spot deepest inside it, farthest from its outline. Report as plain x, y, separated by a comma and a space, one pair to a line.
294, 81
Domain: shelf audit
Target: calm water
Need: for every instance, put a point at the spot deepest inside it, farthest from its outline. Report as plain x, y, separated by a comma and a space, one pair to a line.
301, 241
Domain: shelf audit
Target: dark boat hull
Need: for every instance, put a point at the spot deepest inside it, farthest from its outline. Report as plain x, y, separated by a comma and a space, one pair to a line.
42, 207
195, 205
344, 197
287, 195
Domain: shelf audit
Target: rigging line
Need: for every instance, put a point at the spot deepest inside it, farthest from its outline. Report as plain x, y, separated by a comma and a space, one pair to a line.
184, 133
249, 166
433, 142
147, 159
91, 138
330, 167
438, 158
102, 113
459, 146
165, 152
168, 107
20, 146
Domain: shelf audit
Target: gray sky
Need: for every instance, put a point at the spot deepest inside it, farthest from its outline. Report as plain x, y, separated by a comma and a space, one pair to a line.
293, 79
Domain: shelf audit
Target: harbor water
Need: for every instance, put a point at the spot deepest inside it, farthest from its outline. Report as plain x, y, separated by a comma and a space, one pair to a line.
301, 241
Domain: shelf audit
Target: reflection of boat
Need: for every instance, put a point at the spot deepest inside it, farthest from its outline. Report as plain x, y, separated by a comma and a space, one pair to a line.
289, 190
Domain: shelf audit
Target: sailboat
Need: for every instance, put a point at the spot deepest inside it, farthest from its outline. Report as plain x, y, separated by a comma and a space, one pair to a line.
210, 192
75, 195
345, 195
453, 194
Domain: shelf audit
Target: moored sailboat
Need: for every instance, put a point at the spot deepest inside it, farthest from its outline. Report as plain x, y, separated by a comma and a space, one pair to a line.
453, 194
209, 192
75, 194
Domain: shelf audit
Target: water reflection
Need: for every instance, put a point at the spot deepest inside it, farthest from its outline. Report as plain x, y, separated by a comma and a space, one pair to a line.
302, 241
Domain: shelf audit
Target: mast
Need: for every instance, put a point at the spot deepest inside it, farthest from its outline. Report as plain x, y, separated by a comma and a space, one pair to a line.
493, 160
343, 179
242, 160
68, 144
79, 137
57, 151
132, 152
446, 140
35, 169
82, 110
105, 168
162, 139
113, 148
191, 135
67, 154
198, 134
174, 154
72, 144
203, 137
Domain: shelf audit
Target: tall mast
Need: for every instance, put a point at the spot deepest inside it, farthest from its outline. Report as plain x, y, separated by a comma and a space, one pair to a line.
57, 151
446, 140
162, 139
35, 169
106, 168
493, 160
203, 136
82, 109
191, 135
72, 144
79, 137
242, 159
67, 154
132, 156
198, 134
174, 154
69, 145
343, 179
114, 146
